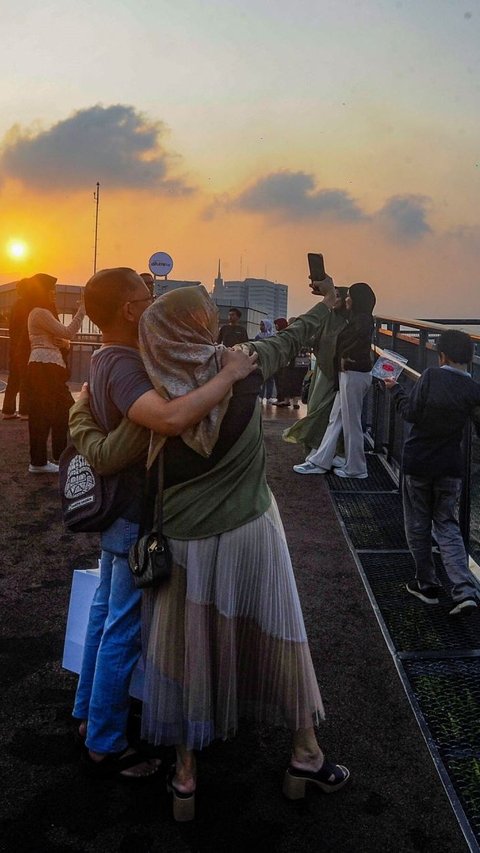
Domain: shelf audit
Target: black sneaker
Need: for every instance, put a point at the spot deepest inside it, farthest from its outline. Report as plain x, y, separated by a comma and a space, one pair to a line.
464, 608
428, 596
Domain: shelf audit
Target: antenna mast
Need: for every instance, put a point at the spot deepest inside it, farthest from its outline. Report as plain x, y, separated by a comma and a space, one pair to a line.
96, 196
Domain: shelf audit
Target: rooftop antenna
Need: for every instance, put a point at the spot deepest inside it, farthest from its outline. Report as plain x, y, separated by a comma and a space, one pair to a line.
96, 196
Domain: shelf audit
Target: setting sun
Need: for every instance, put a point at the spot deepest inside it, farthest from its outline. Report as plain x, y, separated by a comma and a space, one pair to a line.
17, 249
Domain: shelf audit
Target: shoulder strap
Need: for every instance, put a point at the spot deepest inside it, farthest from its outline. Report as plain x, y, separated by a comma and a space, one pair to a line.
160, 479
153, 498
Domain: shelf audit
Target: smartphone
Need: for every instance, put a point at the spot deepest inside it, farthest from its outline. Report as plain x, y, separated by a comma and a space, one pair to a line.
317, 269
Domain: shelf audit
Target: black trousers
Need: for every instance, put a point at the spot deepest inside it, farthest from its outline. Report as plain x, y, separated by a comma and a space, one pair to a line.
50, 402
17, 384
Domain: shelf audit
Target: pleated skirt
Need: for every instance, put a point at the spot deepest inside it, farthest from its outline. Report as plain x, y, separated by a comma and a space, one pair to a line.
225, 640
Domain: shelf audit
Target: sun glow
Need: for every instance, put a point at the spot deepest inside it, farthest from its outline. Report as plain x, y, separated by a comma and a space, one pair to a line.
17, 249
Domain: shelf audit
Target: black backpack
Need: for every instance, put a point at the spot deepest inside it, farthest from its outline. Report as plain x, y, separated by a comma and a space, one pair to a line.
90, 502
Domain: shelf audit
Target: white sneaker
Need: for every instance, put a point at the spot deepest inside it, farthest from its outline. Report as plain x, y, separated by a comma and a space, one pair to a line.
49, 468
338, 462
340, 472
464, 608
272, 400
309, 468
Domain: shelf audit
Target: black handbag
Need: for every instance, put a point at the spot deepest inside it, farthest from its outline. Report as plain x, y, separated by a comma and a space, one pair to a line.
149, 557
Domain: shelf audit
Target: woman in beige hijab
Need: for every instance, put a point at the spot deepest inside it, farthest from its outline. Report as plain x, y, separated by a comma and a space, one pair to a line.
224, 639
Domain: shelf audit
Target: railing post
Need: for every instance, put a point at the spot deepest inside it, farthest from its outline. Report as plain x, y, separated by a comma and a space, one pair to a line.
422, 350
378, 417
395, 331
465, 498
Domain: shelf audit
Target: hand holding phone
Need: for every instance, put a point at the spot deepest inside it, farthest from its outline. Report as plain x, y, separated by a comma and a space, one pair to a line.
325, 288
316, 266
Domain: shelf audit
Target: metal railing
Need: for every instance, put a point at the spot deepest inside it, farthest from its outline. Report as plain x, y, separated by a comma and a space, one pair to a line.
81, 350
413, 339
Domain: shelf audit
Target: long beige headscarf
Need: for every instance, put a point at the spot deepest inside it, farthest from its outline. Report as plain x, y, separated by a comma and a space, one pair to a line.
177, 341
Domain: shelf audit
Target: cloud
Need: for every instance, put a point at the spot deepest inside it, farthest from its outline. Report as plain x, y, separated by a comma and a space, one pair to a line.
404, 217
293, 195
115, 145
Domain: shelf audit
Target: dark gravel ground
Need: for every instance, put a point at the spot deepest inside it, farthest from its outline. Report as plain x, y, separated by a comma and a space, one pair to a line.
395, 801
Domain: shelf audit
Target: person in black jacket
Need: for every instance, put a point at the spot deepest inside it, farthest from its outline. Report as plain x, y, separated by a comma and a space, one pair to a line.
353, 365
438, 408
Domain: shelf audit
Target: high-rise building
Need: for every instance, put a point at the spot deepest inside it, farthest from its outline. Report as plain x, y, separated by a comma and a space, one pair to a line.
165, 285
259, 293
218, 286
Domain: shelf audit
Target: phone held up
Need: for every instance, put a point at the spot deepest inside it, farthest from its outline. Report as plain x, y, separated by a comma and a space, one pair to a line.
316, 266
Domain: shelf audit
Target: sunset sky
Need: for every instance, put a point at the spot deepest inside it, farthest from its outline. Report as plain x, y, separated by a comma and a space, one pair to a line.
248, 130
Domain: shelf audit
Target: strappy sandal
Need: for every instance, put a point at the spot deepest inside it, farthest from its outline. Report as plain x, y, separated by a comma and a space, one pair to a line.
78, 737
114, 764
295, 780
183, 803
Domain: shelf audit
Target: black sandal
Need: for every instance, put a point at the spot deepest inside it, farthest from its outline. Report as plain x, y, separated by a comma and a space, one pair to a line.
78, 738
114, 764
183, 803
295, 780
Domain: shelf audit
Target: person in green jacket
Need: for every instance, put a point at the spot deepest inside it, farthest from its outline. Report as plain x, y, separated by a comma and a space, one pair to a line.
225, 638
310, 430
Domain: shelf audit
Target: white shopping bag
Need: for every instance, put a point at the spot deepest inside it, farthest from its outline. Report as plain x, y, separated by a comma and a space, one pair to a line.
84, 584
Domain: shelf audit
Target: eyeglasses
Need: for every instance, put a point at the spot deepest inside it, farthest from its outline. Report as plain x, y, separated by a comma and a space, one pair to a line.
145, 299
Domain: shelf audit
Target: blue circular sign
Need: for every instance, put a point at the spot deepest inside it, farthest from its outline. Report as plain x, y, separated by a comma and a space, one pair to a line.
160, 263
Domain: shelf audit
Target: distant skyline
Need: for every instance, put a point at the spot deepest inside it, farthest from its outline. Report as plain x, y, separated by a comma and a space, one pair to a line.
252, 131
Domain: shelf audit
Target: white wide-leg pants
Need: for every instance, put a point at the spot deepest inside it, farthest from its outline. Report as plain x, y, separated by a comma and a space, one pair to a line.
346, 414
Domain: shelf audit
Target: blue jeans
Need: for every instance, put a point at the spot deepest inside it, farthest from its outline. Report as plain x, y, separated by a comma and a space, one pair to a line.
112, 644
430, 502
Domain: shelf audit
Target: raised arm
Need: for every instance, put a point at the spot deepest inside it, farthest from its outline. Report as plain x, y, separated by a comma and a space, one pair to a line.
172, 417
276, 352
109, 453
42, 320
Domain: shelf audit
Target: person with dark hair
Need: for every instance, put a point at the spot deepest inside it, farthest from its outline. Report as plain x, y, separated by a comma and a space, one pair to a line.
292, 375
233, 333
310, 430
352, 365
267, 389
19, 351
149, 281
441, 403
49, 397
280, 324
224, 637
115, 300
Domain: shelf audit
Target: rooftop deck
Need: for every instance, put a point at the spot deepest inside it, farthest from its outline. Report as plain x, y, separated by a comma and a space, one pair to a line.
350, 561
